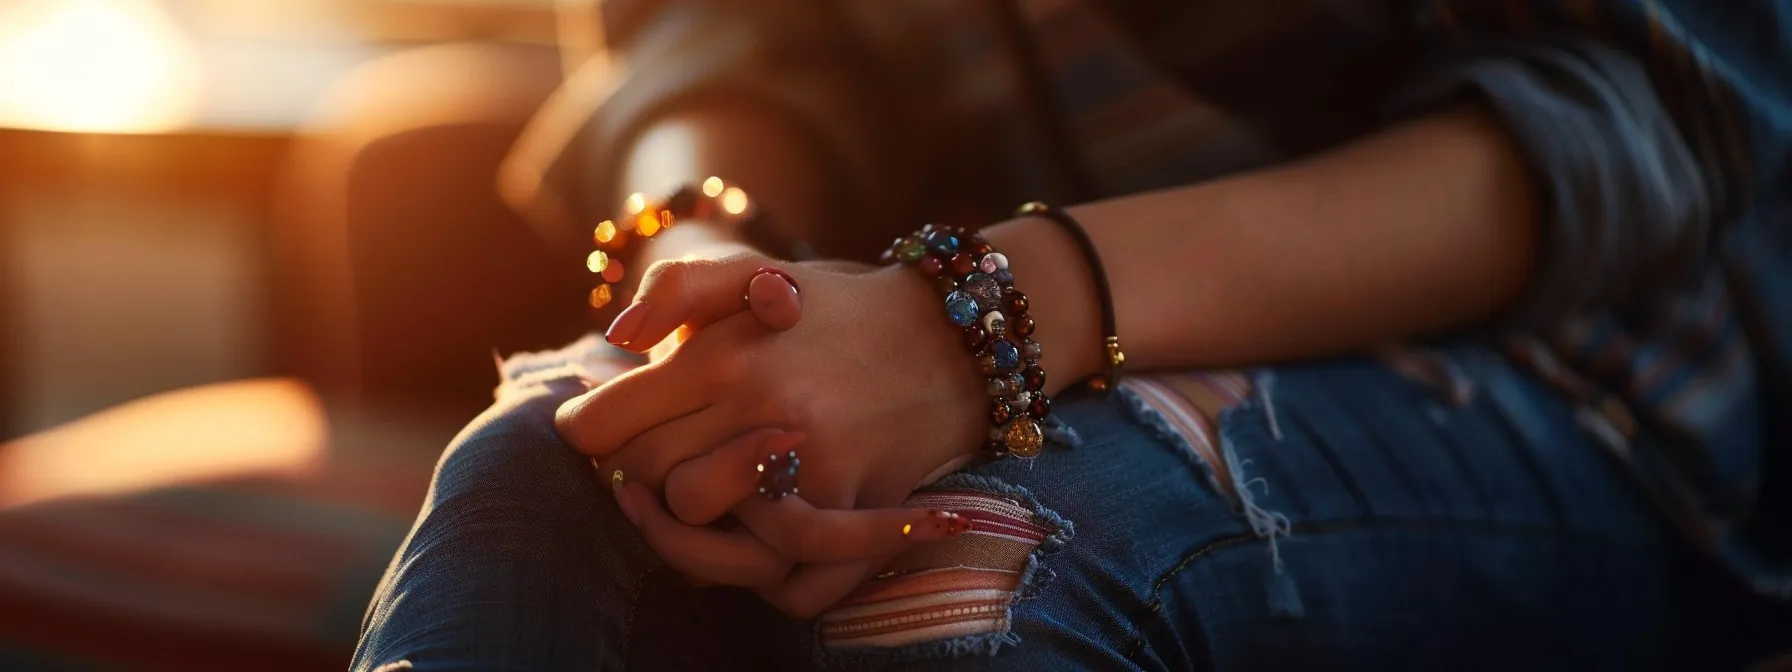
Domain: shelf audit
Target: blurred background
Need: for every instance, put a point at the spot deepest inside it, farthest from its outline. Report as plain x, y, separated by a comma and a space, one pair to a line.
226, 227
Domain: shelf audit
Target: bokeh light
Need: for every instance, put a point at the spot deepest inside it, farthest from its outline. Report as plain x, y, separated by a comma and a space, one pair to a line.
117, 66
712, 187
734, 200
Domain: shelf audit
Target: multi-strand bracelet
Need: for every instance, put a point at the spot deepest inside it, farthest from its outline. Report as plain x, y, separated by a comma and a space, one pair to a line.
980, 298
713, 200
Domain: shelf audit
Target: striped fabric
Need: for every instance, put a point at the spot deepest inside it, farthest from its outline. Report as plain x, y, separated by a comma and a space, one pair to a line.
954, 588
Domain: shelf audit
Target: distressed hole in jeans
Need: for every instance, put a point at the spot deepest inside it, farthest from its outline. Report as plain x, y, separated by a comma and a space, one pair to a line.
1182, 408
953, 597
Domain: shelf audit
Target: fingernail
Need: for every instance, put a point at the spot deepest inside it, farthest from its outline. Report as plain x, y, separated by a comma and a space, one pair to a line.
767, 270
627, 324
937, 525
616, 486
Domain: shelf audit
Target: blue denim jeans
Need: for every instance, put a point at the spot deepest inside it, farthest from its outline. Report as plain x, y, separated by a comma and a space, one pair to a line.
1373, 526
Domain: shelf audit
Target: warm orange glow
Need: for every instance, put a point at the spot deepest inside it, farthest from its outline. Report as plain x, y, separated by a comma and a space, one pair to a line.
606, 232
600, 296
712, 187
117, 66
734, 200
648, 222
597, 261
251, 428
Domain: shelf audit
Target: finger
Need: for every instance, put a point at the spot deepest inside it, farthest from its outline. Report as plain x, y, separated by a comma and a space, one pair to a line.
693, 292
701, 553
775, 300
704, 487
811, 589
598, 422
805, 534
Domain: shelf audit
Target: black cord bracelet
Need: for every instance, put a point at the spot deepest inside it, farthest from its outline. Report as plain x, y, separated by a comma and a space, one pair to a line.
1112, 356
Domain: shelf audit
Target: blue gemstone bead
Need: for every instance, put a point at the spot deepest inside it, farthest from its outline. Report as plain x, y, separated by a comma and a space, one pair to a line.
1007, 356
961, 308
941, 242
1003, 277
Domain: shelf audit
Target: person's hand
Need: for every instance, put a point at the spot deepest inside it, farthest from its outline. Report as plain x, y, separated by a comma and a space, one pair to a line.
871, 374
799, 558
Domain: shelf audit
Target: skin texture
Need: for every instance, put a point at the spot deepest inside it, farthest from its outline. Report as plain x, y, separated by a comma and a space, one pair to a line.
1424, 227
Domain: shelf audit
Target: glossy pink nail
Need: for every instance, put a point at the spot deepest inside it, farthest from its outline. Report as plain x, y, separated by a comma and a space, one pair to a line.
627, 324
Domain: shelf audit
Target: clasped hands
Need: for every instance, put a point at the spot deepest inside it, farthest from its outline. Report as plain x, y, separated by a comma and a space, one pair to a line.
857, 371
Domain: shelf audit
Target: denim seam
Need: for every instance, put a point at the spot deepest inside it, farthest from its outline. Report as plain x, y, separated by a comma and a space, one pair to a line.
1033, 579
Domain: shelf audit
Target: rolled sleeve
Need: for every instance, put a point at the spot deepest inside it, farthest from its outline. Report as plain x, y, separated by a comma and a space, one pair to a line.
1627, 206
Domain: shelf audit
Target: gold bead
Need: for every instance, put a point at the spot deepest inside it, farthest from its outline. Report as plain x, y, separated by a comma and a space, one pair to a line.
1116, 356
1023, 437
1031, 208
600, 297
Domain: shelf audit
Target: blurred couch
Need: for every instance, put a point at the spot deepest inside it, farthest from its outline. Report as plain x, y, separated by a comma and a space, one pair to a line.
398, 272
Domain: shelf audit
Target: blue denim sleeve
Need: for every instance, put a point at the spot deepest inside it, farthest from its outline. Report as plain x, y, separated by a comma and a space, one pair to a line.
1626, 202
1656, 128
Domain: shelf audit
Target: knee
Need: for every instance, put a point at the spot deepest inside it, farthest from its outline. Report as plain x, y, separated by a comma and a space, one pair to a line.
511, 457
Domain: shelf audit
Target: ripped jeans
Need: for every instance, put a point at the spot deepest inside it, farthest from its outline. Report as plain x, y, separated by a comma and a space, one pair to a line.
1360, 522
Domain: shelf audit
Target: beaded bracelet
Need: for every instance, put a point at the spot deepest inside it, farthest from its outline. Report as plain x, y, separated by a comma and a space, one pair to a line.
712, 200
980, 298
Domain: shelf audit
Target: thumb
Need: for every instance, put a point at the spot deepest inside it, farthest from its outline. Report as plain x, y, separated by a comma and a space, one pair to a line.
697, 292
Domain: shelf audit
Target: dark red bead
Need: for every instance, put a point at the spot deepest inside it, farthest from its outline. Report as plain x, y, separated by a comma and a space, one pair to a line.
1014, 302
979, 247
1022, 325
945, 285
999, 413
963, 264
931, 265
1034, 377
1040, 408
974, 338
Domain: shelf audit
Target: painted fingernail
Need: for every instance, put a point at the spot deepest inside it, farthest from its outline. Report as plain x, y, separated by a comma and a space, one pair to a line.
627, 324
936, 525
778, 475
782, 274
617, 481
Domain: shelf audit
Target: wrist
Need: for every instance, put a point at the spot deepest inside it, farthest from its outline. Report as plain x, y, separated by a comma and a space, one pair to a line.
1056, 277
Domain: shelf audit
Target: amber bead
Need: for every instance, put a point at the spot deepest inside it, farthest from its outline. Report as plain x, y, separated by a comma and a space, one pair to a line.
932, 265
1034, 378
945, 284
1024, 437
1015, 302
979, 248
963, 264
999, 413
974, 337
600, 296
1041, 408
1022, 325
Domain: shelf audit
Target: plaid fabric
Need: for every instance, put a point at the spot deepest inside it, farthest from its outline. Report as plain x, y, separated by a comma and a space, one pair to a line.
1068, 101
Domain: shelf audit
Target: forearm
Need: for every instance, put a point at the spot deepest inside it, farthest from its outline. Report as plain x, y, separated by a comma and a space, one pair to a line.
1425, 227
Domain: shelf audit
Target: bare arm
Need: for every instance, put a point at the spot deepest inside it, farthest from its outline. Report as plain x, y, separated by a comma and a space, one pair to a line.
1428, 226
